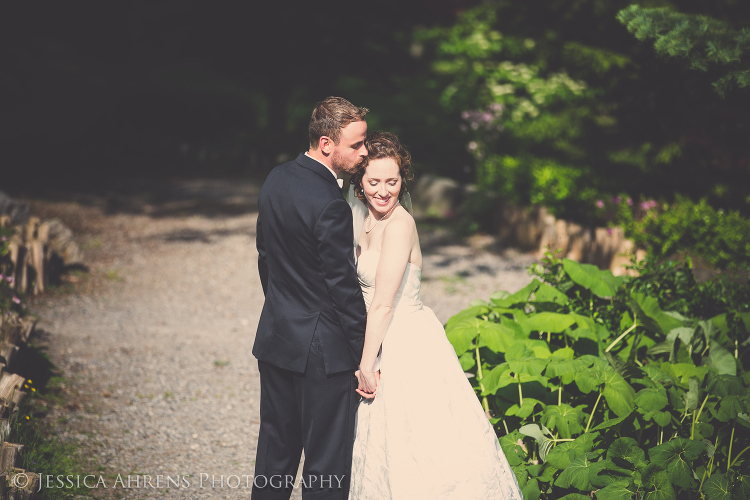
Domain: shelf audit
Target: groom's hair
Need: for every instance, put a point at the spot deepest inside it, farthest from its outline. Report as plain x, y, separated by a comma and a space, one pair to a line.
330, 116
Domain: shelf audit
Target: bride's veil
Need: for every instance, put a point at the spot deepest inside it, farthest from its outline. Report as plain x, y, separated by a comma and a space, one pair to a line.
359, 213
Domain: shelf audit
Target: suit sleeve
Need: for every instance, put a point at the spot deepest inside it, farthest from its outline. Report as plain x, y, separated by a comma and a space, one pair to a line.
262, 263
333, 233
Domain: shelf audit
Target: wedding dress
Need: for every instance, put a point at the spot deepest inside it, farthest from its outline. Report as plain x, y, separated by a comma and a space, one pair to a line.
425, 434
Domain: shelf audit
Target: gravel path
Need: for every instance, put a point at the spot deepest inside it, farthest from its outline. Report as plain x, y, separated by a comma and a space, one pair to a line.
156, 340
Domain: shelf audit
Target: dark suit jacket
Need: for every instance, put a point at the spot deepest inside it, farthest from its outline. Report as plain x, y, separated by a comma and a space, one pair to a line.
306, 266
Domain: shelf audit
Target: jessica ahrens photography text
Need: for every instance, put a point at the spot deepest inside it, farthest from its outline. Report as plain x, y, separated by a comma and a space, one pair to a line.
181, 481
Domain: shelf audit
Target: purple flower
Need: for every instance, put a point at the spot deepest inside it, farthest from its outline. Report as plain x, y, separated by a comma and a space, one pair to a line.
609, 231
16, 300
11, 280
3, 238
600, 203
630, 202
616, 199
465, 115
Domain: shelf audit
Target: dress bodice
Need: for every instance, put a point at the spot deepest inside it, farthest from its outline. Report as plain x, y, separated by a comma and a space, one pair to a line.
408, 292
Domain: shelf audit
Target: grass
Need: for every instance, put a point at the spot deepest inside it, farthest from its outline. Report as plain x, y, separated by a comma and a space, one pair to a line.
43, 451
113, 276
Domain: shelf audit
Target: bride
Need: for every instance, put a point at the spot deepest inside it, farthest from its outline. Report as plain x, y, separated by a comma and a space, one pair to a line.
421, 432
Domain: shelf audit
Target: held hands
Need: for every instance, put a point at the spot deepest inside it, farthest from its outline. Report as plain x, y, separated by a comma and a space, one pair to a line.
368, 382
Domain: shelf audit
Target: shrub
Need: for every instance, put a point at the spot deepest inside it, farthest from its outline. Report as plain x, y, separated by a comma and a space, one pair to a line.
721, 237
626, 388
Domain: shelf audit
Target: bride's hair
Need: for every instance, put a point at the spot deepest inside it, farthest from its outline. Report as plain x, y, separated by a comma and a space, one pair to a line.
383, 145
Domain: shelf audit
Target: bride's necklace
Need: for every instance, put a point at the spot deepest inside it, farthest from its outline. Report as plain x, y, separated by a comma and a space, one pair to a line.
367, 231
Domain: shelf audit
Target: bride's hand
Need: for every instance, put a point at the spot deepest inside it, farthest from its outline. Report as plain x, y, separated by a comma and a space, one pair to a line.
368, 383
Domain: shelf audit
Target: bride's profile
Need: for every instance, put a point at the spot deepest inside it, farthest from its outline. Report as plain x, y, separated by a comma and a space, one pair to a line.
421, 432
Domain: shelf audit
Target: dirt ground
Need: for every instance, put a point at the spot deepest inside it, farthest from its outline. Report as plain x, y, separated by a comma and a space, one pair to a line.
155, 339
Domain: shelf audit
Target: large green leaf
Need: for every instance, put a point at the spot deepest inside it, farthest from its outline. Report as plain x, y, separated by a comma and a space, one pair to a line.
673, 448
725, 385
566, 369
652, 399
576, 475
626, 448
691, 397
718, 487
499, 338
610, 423
619, 394
662, 418
588, 380
680, 373
741, 490
731, 406
745, 317
513, 448
720, 360
601, 283
467, 361
531, 491
497, 378
662, 488
526, 409
516, 298
520, 359
547, 322
471, 312
648, 306
563, 454
585, 322
575, 496
617, 490
546, 293
675, 455
681, 474
464, 333
563, 418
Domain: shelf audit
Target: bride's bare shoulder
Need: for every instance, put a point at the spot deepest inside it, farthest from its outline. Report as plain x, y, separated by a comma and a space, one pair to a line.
401, 224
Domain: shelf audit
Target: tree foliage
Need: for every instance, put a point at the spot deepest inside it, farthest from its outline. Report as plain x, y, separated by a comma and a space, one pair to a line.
561, 106
700, 40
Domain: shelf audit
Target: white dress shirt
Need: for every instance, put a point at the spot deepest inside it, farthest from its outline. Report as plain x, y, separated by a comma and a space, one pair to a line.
339, 181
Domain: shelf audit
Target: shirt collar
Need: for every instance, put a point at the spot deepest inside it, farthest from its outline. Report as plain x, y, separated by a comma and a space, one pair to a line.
326, 166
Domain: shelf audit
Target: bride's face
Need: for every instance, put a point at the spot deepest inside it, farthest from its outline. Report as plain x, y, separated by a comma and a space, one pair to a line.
381, 184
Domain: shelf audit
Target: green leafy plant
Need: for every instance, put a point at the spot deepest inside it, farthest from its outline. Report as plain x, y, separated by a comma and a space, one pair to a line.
700, 40
721, 237
616, 387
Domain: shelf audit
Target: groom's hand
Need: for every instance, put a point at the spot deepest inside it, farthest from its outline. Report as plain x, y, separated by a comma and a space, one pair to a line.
368, 383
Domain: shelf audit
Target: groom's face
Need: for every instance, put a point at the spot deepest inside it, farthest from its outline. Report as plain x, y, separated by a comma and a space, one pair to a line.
350, 150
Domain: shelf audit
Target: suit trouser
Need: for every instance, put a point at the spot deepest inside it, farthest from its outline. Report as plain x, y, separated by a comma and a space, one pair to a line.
313, 411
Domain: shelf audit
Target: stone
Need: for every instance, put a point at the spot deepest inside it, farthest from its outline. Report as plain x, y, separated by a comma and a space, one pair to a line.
436, 197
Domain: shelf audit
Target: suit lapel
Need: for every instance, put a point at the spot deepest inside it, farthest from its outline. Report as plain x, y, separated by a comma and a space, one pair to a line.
305, 161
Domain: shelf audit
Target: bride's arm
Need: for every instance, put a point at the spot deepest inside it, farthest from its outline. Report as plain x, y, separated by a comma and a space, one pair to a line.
398, 241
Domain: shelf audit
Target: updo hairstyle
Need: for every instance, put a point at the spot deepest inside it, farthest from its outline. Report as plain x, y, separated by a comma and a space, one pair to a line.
383, 145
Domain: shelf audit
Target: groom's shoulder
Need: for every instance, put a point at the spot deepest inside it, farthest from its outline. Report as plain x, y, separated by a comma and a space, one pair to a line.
294, 182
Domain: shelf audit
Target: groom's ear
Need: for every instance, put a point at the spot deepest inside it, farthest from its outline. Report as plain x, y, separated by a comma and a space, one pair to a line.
326, 145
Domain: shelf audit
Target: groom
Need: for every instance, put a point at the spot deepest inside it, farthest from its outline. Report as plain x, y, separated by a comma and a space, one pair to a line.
312, 328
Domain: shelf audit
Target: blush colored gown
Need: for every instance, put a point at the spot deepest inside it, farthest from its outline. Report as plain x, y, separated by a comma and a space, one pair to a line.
425, 435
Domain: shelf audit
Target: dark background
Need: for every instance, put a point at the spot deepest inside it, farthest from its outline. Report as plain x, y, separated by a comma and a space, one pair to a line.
95, 92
